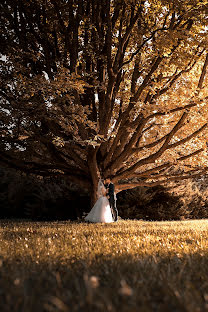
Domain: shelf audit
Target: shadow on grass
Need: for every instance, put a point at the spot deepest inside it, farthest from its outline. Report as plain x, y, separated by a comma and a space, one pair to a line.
119, 283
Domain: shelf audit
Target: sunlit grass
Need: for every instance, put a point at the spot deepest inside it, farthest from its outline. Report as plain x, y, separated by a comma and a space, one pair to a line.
125, 266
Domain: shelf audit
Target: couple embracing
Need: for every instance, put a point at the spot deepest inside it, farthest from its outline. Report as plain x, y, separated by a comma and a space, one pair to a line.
104, 209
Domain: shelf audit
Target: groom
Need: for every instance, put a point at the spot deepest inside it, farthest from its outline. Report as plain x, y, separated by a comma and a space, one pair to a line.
112, 197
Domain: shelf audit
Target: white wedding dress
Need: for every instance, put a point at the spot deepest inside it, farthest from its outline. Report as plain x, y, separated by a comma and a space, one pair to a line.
101, 211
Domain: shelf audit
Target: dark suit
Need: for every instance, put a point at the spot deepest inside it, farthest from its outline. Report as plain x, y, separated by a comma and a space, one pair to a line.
112, 199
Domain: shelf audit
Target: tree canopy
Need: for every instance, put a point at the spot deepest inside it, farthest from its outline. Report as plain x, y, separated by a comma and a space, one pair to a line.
96, 88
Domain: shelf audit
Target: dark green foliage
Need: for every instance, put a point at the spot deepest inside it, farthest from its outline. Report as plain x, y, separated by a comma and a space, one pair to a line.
151, 204
30, 197
185, 201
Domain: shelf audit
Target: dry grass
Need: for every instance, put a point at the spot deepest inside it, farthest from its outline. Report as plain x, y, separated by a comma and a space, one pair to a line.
126, 266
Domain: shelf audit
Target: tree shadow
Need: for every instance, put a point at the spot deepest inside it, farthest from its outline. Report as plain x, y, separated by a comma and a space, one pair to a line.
106, 283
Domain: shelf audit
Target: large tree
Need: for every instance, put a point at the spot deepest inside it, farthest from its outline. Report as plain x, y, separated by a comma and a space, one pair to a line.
96, 88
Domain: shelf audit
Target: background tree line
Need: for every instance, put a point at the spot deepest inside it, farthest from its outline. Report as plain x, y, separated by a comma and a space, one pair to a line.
25, 196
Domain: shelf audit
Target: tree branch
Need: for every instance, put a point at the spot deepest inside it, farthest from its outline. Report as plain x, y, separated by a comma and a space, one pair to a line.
182, 141
36, 168
161, 167
126, 186
153, 157
203, 73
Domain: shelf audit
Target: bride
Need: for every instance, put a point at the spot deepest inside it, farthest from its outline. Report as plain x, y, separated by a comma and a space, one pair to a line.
101, 211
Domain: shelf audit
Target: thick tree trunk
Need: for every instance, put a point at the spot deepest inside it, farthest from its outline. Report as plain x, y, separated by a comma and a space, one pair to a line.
94, 172
93, 195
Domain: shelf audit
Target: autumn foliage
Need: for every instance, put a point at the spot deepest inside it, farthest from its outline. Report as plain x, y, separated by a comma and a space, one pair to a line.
104, 88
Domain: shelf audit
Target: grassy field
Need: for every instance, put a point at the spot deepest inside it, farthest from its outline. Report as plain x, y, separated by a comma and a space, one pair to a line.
125, 266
